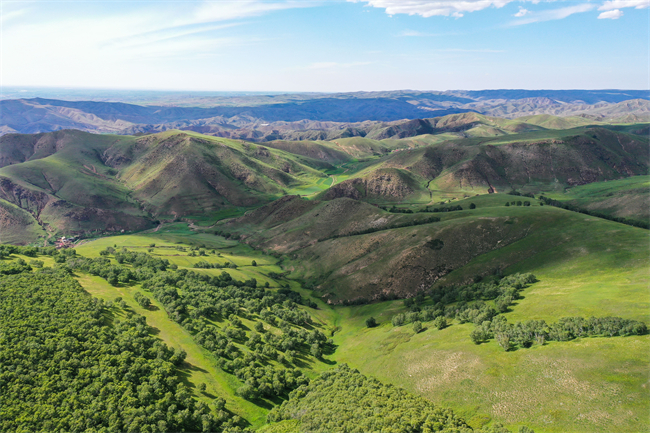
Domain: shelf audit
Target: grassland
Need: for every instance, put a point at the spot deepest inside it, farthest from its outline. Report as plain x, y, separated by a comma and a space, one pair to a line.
201, 366
584, 385
627, 198
586, 266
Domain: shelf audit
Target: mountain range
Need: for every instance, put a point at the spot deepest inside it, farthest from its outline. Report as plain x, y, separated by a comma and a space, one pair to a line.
310, 116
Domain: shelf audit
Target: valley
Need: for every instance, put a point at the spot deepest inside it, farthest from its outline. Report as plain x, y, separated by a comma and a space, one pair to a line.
468, 272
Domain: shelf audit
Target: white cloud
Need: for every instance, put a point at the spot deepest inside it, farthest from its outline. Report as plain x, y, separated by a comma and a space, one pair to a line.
83, 44
553, 14
612, 15
522, 12
428, 8
12, 15
619, 4
457, 8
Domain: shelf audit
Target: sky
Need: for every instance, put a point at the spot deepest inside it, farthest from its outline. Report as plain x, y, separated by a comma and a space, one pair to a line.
326, 46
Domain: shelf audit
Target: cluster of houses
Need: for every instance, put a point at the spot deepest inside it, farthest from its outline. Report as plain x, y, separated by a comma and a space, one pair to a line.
64, 242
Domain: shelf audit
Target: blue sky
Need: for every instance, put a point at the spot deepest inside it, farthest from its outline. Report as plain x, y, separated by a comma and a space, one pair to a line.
326, 45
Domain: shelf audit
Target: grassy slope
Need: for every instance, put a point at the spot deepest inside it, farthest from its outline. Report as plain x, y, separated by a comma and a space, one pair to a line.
586, 266
201, 365
588, 385
18, 226
626, 198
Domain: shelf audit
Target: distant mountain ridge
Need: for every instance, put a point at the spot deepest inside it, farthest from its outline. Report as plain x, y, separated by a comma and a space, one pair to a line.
311, 116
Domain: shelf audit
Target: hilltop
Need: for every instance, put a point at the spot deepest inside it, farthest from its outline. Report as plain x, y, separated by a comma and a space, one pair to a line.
73, 182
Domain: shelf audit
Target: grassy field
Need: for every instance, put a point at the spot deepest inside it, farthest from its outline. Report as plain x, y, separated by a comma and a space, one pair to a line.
628, 198
585, 385
585, 266
201, 366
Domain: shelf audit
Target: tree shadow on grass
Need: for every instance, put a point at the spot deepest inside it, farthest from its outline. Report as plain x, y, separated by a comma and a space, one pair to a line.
193, 367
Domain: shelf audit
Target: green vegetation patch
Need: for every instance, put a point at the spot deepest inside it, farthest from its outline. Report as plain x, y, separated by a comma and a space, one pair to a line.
66, 367
345, 400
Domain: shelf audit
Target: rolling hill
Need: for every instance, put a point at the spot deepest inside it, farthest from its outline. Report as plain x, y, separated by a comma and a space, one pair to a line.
75, 182
258, 266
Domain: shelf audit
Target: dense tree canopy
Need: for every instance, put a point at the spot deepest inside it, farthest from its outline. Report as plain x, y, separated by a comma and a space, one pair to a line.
65, 365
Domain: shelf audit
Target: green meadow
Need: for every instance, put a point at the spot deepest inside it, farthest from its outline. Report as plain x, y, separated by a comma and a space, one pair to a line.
584, 385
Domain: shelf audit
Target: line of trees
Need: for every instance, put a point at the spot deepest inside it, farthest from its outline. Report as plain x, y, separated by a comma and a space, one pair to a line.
524, 334
207, 265
465, 303
443, 209
378, 229
518, 203
196, 300
573, 208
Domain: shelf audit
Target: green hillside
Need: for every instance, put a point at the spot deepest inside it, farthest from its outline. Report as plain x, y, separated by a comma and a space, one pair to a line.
625, 198
424, 277
588, 267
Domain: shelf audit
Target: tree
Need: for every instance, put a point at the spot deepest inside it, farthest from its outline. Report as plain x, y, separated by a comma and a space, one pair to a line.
518, 202
247, 391
440, 322
472, 206
526, 203
253, 263
417, 326
316, 351
371, 322
142, 300
507, 203
259, 326
503, 339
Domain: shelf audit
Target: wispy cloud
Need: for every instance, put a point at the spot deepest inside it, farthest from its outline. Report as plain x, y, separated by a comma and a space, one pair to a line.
12, 15
553, 14
612, 15
620, 4
414, 33
428, 8
417, 34
522, 12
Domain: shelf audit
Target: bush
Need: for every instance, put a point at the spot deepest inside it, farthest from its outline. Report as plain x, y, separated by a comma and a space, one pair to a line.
371, 322
417, 326
142, 300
